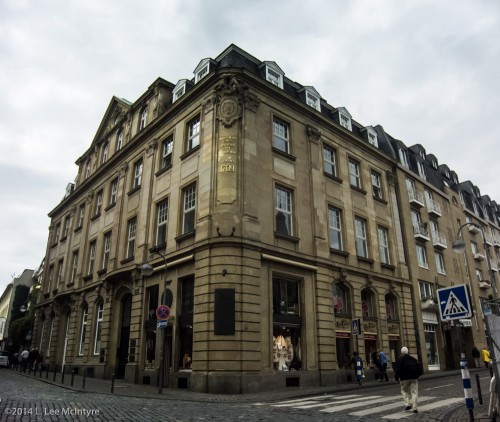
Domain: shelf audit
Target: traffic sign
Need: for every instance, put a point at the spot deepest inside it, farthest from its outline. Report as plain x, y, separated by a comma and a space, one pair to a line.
162, 323
454, 303
162, 312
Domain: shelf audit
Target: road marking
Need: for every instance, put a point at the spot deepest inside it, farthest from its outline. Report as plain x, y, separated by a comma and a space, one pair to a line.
440, 403
353, 405
439, 386
390, 406
323, 397
307, 404
345, 399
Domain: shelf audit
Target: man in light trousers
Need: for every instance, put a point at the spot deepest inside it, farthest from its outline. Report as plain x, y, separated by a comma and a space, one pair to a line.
407, 371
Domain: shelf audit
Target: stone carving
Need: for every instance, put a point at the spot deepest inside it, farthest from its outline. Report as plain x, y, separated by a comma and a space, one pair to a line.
124, 169
151, 147
313, 134
90, 195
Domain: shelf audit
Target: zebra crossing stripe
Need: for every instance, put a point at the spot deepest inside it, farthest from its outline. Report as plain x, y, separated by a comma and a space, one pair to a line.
365, 402
386, 407
345, 399
435, 405
312, 398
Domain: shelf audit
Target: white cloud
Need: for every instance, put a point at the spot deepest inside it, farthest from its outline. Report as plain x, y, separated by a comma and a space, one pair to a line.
426, 71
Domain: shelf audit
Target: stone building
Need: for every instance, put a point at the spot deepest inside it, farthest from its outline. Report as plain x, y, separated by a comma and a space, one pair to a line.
273, 222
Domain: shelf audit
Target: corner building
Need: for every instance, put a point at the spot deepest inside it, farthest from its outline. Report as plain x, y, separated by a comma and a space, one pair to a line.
274, 218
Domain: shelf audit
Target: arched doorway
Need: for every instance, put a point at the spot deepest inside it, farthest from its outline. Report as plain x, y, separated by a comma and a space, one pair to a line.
124, 330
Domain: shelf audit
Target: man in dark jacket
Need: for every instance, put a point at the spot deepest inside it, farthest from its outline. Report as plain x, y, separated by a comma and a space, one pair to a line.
407, 371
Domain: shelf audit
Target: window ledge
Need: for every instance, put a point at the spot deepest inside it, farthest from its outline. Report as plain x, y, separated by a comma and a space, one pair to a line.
339, 252
355, 188
157, 248
381, 200
95, 217
364, 259
54, 244
70, 284
88, 277
129, 259
134, 190
63, 238
109, 207
286, 237
77, 229
185, 236
190, 152
102, 271
163, 170
388, 266
333, 177
284, 154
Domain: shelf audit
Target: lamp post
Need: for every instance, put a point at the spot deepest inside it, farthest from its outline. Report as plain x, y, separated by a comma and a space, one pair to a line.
147, 270
459, 247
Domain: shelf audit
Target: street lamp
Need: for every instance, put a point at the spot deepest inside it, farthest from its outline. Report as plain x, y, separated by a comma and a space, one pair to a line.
148, 270
459, 247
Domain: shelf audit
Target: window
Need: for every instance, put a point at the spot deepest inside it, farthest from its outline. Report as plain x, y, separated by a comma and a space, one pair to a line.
51, 275
74, 266
361, 240
479, 275
201, 73
87, 169
422, 257
354, 173
113, 190
283, 211
281, 138
60, 267
105, 152
92, 249
377, 185
81, 215
65, 227
98, 203
403, 157
166, 152
137, 174
187, 296
161, 222
83, 329
57, 233
440, 263
335, 228
368, 303
372, 139
329, 161
193, 134
475, 249
189, 209
274, 77
98, 328
345, 121
312, 100
131, 232
383, 245
119, 140
426, 290
421, 169
286, 297
144, 118
106, 250
341, 302
391, 307
186, 322
179, 90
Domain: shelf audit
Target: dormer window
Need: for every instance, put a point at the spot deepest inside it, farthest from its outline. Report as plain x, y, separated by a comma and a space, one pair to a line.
447, 174
421, 169
312, 101
422, 154
273, 73
434, 164
403, 158
345, 118
179, 90
201, 70
372, 136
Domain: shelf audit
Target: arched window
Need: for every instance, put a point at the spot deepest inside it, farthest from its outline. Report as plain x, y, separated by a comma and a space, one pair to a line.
83, 328
341, 299
391, 309
368, 303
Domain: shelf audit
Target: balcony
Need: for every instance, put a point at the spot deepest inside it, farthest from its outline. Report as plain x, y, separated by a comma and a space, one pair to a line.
488, 240
415, 198
479, 256
496, 243
473, 229
484, 284
439, 240
433, 207
421, 231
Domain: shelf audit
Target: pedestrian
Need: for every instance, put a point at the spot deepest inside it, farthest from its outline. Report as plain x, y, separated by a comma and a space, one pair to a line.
485, 355
25, 354
382, 362
407, 371
357, 363
476, 355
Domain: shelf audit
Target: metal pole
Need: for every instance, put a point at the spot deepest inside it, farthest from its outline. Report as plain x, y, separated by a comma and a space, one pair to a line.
479, 395
469, 400
84, 377
112, 382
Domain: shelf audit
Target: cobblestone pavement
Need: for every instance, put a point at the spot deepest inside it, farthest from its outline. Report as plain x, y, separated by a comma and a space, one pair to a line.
43, 399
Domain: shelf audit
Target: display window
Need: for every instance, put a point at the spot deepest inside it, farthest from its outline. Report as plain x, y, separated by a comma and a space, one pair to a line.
286, 348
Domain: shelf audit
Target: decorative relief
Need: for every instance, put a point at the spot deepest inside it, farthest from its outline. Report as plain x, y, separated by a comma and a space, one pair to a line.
151, 147
124, 169
313, 134
90, 195
229, 112
343, 323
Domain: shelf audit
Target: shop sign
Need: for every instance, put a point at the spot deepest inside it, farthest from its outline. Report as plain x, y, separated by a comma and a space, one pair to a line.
342, 334
370, 336
393, 338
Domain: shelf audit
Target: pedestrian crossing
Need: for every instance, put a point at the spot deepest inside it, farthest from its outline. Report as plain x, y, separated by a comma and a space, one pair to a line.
359, 405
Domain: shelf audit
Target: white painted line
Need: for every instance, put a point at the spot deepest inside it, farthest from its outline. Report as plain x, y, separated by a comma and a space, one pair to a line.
365, 402
439, 386
323, 397
440, 403
390, 406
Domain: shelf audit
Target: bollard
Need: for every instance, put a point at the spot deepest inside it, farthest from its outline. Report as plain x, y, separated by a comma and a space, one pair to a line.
479, 395
47, 372
41, 369
469, 401
63, 371
112, 382
73, 371
491, 371
55, 371
84, 377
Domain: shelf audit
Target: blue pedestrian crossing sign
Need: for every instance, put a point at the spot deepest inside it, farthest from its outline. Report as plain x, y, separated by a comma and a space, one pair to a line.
454, 303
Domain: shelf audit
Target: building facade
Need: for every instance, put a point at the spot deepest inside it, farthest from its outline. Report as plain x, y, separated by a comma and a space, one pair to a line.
273, 222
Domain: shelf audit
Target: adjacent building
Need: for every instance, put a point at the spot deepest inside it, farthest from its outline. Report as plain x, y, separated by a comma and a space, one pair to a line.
274, 222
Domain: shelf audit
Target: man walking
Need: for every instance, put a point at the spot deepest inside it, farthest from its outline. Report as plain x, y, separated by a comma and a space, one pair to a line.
382, 362
407, 371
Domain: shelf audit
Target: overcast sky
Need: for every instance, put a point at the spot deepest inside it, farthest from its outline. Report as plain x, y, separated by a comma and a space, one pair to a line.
427, 71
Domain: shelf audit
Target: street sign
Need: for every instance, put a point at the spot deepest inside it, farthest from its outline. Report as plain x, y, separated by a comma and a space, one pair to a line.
162, 312
356, 326
162, 323
454, 303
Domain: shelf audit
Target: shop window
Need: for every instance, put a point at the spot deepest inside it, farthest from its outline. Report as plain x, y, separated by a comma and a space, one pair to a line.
186, 323
285, 297
390, 307
368, 303
152, 300
341, 302
286, 348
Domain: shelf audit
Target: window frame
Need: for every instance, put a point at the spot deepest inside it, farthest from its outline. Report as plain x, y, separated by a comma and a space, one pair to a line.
119, 140
361, 237
440, 265
167, 148
137, 175
330, 162
354, 173
376, 179
422, 257
98, 203
161, 228
193, 133
113, 191
281, 141
106, 251
383, 244
143, 119
345, 298
131, 237
83, 329
335, 230
189, 201
279, 191
98, 327
92, 256
74, 265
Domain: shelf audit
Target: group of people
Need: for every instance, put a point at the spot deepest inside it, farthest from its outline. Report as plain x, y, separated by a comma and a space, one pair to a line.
28, 358
484, 355
407, 370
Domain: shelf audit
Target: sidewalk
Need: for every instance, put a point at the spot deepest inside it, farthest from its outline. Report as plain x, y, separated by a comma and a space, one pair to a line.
121, 388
